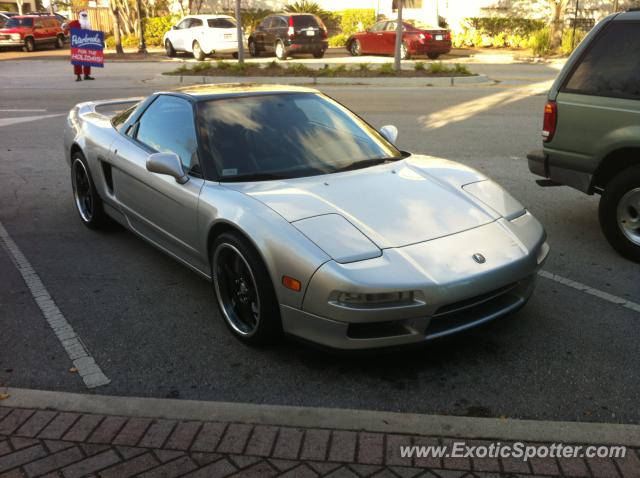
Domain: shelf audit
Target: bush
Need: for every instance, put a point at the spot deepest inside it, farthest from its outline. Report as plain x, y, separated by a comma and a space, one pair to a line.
251, 17
419, 66
298, 69
496, 32
338, 40
540, 42
128, 41
568, 42
352, 18
331, 20
495, 25
156, 27
387, 69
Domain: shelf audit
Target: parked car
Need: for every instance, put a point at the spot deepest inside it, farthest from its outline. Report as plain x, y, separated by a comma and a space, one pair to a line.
286, 34
591, 128
31, 32
380, 39
307, 219
202, 35
4, 17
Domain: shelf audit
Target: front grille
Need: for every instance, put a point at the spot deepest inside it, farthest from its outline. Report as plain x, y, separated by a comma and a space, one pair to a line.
376, 330
466, 313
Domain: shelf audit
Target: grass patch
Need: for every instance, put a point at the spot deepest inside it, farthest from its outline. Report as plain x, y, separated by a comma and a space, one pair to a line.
386, 69
419, 66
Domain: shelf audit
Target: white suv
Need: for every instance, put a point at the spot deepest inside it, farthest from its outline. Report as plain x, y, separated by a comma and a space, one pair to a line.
202, 35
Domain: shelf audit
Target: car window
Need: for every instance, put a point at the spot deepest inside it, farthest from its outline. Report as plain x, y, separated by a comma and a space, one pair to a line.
279, 22
196, 22
38, 24
20, 22
118, 120
184, 24
305, 21
378, 27
168, 126
221, 23
291, 135
611, 66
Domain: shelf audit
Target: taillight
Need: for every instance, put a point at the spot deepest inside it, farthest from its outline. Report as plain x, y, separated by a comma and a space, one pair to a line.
550, 121
291, 31
447, 35
428, 36
324, 33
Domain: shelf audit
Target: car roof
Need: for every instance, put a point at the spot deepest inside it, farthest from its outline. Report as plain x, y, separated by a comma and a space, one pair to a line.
631, 14
229, 90
207, 17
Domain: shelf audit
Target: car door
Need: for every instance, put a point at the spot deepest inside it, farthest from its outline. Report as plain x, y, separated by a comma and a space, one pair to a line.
370, 39
196, 31
156, 205
39, 31
260, 33
388, 40
177, 35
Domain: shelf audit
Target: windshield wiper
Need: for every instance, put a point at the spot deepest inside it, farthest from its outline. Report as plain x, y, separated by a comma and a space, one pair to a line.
364, 163
253, 177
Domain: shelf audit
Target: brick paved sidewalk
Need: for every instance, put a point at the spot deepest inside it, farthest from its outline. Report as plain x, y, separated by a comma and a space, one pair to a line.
63, 444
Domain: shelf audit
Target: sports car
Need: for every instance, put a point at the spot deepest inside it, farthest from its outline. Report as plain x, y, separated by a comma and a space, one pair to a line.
307, 220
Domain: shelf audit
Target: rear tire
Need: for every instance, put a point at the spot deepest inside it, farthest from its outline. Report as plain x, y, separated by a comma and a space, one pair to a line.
198, 54
86, 198
60, 41
244, 291
168, 48
433, 56
404, 51
281, 51
29, 45
619, 213
318, 54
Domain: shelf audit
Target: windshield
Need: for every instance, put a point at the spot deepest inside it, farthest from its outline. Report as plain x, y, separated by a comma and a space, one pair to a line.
19, 22
289, 135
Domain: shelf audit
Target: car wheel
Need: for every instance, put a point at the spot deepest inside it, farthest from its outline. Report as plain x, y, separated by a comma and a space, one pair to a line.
253, 49
281, 52
168, 48
29, 45
88, 203
318, 54
60, 41
244, 291
404, 51
433, 56
619, 213
198, 54
235, 55
355, 48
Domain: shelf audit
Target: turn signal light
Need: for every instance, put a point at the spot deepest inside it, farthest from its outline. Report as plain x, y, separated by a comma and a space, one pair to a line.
550, 121
291, 283
291, 31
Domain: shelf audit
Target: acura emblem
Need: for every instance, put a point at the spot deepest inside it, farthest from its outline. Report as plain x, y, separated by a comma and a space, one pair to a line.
479, 258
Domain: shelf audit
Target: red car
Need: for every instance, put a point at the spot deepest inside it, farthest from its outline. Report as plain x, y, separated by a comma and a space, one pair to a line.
32, 31
380, 39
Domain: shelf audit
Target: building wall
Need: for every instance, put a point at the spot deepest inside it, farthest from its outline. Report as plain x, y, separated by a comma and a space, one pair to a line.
12, 6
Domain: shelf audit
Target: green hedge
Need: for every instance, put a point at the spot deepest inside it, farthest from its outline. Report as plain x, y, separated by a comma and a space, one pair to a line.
156, 27
497, 32
509, 26
353, 17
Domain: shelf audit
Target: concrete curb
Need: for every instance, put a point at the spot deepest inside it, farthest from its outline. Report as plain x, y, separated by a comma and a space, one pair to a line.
320, 81
331, 418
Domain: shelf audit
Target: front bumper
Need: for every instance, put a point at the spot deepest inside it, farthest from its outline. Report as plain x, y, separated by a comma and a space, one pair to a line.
11, 42
451, 291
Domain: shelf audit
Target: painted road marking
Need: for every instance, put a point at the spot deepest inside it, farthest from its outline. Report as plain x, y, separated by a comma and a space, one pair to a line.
26, 110
90, 372
614, 299
25, 119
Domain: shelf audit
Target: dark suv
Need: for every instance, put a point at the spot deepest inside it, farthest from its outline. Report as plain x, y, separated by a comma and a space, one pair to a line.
591, 130
289, 33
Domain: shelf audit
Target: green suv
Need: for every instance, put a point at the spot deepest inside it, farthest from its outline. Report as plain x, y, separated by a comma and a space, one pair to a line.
591, 128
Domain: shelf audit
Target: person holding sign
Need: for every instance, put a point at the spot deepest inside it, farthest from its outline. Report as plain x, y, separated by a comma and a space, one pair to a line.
86, 47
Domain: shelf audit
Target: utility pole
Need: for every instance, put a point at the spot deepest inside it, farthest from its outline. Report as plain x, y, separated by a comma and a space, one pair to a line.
239, 33
142, 46
397, 63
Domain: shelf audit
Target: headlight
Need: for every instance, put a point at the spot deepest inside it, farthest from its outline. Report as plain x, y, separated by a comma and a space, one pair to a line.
385, 298
15, 36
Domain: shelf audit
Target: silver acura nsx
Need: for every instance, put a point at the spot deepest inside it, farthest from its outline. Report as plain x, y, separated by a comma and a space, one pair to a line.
307, 220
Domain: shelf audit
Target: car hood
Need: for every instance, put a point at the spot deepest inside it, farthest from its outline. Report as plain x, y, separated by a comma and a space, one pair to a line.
394, 204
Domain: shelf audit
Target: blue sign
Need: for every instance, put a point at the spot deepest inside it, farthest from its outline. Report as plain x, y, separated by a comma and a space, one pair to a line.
87, 47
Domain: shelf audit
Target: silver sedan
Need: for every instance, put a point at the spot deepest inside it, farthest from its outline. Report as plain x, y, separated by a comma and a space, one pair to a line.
307, 220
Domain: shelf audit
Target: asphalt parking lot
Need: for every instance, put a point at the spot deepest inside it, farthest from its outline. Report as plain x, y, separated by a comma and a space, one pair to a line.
153, 328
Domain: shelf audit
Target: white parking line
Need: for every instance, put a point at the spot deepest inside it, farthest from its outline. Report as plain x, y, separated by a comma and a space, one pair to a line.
87, 368
614, 299
25, 119
27, 110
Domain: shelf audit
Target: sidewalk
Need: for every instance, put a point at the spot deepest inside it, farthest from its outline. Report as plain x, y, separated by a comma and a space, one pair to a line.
143, 438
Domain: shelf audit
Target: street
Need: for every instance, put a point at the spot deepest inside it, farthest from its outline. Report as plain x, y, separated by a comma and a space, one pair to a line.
153, 327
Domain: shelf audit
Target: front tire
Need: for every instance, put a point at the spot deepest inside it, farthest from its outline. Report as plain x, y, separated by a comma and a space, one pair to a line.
244, 291
29, 45
355, 48
87, 201
281, 51
619, 213
168, 48
198, 54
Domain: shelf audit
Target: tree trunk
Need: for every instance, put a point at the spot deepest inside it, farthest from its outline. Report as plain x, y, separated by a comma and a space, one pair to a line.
115, 15
557, 22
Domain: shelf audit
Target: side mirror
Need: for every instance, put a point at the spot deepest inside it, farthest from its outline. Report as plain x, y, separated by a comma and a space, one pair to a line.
389, 132
174, 27
167, 163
